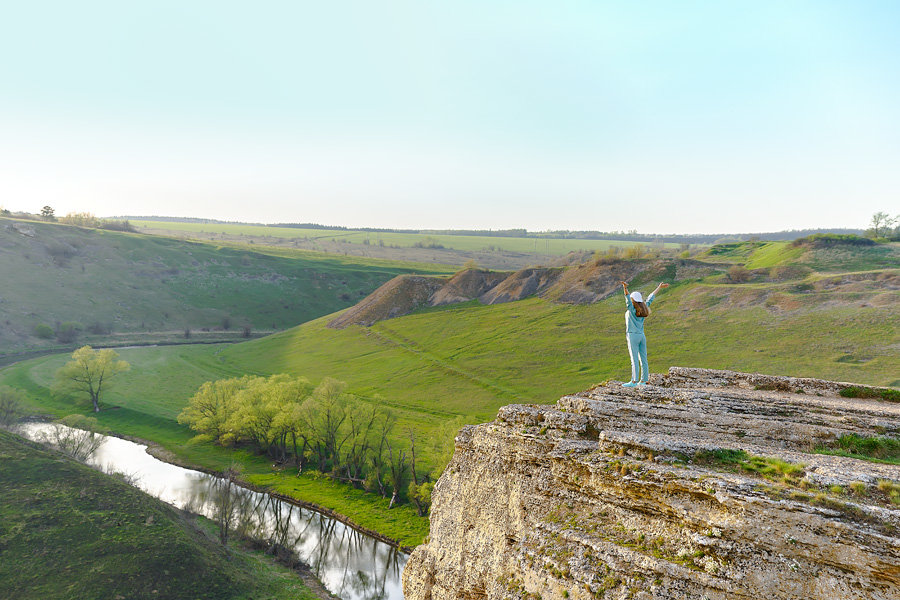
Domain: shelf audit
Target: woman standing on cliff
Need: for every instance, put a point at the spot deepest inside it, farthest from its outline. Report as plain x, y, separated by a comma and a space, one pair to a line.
634, 333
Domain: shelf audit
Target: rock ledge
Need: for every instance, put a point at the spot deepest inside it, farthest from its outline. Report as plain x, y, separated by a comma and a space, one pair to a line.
704, 485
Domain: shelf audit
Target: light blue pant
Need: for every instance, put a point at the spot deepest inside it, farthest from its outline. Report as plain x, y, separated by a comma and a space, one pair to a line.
637, 348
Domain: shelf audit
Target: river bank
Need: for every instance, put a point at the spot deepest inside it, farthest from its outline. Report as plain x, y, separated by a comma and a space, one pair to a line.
145, 405
350, 563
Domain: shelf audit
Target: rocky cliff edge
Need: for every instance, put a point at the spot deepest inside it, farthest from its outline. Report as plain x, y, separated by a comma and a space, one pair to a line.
705, 485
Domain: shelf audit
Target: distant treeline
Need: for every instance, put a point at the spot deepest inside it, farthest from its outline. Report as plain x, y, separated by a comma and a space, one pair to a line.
186, 220
625, 236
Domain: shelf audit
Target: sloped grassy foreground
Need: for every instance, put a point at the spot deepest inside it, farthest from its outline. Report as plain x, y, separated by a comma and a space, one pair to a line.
705, 485
67, 531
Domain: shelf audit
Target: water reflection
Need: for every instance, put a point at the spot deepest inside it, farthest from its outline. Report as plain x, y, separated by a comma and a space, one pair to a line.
351, 564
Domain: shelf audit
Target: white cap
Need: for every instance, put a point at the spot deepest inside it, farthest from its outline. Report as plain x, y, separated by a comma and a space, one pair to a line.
636, 296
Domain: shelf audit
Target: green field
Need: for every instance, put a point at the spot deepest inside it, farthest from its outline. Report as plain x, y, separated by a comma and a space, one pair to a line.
67, 531
134, 288
542, 246
467, 360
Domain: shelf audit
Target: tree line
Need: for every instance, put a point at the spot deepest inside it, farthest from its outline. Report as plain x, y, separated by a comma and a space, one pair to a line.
318, 428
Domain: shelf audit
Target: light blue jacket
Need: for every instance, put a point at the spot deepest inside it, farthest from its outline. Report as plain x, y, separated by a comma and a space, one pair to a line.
634, 323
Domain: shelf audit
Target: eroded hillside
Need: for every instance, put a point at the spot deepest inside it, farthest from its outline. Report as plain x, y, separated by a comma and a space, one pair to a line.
867, 275
707, 484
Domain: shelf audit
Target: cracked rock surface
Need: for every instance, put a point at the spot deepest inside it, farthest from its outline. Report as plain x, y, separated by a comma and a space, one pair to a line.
706, 484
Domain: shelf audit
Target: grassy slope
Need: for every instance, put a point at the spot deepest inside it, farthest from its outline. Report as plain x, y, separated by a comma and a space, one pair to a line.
470, 359
135, 282
67, 531
554, 247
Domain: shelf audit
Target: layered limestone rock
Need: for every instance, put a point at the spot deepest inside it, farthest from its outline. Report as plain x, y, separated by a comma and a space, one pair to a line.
707, 484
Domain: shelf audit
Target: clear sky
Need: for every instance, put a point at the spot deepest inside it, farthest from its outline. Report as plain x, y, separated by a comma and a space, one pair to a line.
555, 114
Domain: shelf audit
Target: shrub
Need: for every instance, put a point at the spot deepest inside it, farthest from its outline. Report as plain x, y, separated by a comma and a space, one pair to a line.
68, 332
738, 274
429, 242
60, 253
114, 225
82, 219
43, 331
98, 328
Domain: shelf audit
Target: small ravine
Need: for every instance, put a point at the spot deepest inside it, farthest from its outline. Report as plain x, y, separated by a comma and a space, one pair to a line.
351, 564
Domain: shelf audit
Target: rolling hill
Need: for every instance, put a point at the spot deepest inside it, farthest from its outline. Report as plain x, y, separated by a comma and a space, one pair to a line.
122, 288
775, 308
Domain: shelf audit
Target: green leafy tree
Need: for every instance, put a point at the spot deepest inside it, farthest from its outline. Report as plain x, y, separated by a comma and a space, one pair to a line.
210, 409
90, 371
265, 410
48, 214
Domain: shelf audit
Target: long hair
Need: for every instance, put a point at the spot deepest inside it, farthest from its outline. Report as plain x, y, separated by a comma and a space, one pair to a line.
641, 309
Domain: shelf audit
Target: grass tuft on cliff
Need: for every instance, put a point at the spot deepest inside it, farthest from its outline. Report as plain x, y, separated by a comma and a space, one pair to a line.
877, 448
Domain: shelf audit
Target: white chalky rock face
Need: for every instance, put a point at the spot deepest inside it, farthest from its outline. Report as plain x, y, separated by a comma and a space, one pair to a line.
640, 493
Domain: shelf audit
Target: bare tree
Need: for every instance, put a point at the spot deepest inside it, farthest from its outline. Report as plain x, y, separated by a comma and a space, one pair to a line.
881, 223
11, 408
226, 501
397, 473
76, 435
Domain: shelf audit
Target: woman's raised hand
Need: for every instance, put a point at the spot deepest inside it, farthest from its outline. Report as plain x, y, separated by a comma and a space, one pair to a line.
663, 285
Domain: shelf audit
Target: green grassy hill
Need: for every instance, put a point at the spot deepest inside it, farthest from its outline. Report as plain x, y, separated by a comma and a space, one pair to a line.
125, 288
67, 531
792, 317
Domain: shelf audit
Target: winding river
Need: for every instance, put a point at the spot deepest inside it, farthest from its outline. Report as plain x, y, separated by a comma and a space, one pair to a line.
351, 564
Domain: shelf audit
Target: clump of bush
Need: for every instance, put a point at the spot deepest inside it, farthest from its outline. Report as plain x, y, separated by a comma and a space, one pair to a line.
825, 240
429, 242
113, 225
739, 274
98, 328
43, 331
68, 332
60, 253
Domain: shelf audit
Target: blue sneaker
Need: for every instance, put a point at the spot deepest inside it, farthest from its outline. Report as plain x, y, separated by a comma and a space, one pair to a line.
642, 383
629, 384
